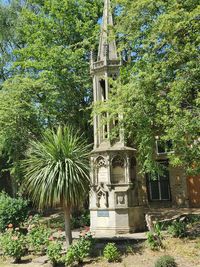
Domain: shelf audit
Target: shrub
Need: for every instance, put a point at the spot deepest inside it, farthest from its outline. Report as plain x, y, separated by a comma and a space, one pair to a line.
154, 239
177, 229
165, 261
13, 244
85, 219
81, 220
54, 252
81, 250
12, 211
70, 257
38, 238
111, 253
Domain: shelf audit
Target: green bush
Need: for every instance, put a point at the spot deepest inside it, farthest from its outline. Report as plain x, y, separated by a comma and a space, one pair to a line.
177, 229
13, 244
165, 261
111, 253
70, 257
54, 252
154, 239
12, 211
38, 238
80, 250
85, 219
80, 220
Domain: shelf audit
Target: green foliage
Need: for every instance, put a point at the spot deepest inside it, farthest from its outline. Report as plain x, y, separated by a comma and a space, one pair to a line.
165, 261
80, 221
129, 249
44, 73
13, 244
54, 252
154, 238
111, 253
80, 250
61, 158
8, 37
85, 218
57, 171
177, 229
193, 218
38, 238
70, 257
12, 211
159, 82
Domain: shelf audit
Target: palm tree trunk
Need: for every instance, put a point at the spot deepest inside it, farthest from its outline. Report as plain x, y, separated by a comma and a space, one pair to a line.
68, 232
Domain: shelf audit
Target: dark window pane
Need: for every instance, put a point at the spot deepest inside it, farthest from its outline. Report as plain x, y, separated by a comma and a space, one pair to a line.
160, 189
165, 194
154, 190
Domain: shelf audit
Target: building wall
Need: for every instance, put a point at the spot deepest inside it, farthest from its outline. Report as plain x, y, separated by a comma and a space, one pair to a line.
178, 186
179, 191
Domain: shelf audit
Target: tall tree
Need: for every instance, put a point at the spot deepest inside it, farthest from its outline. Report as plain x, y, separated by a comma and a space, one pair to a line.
8, 37
159, 89
58, 37
9, 40
48, 81
57, 172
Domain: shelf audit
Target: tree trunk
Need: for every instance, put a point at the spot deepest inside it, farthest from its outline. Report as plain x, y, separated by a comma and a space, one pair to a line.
68, 231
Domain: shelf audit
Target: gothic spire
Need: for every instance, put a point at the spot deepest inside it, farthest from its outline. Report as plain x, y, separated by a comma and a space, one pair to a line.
107, 45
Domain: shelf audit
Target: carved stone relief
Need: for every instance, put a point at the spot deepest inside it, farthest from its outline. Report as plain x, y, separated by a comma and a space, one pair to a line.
101, 198
121, 199
101, 172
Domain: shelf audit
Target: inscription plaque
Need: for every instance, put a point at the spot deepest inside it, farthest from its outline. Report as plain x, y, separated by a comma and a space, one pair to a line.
102, 175
103, 213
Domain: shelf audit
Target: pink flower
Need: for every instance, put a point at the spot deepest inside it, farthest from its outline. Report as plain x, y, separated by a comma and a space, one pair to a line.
15, 238
51, 238
17, 229
82, 234
87, 228
10, 225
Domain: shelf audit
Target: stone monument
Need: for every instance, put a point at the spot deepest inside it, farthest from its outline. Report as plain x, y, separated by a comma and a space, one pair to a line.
114, 204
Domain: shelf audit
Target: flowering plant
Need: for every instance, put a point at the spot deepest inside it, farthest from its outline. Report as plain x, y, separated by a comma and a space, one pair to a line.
13, 243
38, 235
80, 250
54, 251
38, 238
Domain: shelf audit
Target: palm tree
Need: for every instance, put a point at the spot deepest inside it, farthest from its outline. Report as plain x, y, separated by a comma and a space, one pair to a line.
57, 172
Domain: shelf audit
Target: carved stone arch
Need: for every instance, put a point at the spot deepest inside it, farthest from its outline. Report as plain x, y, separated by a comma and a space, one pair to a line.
118, 165
133, 165
118, 160
101, 170
101, 198
100, 162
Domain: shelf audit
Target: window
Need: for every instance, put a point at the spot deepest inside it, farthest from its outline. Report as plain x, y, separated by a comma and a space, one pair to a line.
103, 89
159, 189
105, 125
163, 147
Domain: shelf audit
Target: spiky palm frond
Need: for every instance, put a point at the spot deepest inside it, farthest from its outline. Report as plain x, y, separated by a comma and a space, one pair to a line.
57, 169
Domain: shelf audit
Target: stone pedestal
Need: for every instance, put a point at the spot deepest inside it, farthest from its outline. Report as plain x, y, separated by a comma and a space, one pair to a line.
118, 221
114, 192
